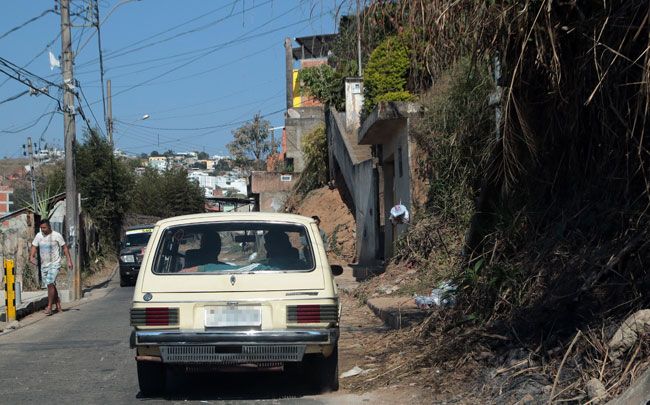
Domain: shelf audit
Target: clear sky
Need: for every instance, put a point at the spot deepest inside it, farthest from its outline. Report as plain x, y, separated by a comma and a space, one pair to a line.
197, 68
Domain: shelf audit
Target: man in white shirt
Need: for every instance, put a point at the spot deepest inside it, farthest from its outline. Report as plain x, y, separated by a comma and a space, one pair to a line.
49, 244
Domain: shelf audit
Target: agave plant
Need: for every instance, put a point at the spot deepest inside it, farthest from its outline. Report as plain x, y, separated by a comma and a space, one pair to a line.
43, 204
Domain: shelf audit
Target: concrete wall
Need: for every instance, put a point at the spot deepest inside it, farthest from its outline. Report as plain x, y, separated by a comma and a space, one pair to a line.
272, 182
357, 169
15, 241
272, 202
272, 189
299, 122
397, 188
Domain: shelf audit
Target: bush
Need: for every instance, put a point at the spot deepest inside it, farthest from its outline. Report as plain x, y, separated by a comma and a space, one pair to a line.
325, 84
314, 147
386, 74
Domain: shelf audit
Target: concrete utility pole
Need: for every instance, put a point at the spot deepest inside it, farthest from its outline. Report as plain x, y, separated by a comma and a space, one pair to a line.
32, 175
109, 112
288, 60
69, 131
359, 38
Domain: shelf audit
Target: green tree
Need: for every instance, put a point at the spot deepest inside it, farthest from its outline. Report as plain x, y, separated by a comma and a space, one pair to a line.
105, 184
251, 140
167, 194
223, 165
155, 153
385, 76
202, 156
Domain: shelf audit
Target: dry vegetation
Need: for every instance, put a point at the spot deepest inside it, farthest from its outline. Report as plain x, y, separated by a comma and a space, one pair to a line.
545, 220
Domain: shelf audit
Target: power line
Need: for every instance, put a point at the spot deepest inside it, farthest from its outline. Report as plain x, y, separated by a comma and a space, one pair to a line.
47, 126
101, 58
218, 126
89, 108
36, 56
33, 89
31, 20
18, 70
28, 126
12, 98
139, 42
216, 48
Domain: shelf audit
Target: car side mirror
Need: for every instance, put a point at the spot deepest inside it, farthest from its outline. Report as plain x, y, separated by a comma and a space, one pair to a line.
336, 269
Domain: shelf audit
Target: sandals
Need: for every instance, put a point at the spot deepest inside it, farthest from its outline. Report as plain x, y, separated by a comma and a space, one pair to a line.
48, 313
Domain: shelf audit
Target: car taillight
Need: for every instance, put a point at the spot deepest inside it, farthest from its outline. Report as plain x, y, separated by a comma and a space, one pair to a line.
312, 313
154, 316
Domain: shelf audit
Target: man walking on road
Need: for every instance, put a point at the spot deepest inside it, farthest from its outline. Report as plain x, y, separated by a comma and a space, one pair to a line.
49, 244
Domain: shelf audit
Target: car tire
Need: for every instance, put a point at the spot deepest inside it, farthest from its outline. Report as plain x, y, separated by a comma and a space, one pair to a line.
151, 378
122, 282
324, 371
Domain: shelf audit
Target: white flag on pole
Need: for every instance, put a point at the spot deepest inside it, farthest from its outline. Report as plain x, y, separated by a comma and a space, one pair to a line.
54, 61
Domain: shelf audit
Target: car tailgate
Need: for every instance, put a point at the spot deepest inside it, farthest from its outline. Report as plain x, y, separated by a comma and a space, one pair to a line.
235, 282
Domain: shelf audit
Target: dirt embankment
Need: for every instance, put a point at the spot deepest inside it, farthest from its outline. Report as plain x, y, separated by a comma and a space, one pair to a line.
336, 220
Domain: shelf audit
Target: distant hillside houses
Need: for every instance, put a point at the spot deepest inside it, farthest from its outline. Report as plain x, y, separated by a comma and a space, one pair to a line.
220, 186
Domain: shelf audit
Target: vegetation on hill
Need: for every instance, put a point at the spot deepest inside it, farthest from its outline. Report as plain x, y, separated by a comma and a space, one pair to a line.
550, 201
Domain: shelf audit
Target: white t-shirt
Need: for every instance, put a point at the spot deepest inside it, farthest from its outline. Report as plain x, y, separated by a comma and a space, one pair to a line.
50, 247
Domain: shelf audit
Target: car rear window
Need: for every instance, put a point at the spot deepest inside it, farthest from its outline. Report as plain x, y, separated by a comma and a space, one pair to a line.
137, 239
233, 247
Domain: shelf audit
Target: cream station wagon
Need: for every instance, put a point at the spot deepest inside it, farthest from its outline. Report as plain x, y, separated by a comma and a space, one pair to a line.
238, 290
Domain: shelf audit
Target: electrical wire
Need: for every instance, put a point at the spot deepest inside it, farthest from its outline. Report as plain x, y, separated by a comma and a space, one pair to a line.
218, 126
31, 20
28, 126
47, 126
31, 86
89, 108
18, 70
162, 32
215, 49
17, 96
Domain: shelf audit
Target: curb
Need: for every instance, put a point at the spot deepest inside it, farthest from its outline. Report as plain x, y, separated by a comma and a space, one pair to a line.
27, 308
38, 304
396, 317
101, 284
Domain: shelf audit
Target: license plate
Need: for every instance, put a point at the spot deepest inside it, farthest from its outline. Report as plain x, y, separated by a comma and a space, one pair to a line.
219, 317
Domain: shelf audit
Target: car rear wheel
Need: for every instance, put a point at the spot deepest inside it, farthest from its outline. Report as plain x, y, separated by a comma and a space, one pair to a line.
151, 377
324, 371
122, 282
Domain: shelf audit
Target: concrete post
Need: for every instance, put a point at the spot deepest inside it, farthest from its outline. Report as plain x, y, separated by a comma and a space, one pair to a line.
353, 102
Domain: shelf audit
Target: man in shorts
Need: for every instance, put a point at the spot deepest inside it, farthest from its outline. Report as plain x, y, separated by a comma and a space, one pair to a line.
49, 244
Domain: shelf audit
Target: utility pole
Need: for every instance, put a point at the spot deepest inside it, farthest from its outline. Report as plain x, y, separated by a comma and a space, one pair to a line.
109, 113
288, 60
359, 38
69, 130
32, 175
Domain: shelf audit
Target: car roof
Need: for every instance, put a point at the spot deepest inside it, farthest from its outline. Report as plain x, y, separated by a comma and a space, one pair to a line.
145, 226
236, 216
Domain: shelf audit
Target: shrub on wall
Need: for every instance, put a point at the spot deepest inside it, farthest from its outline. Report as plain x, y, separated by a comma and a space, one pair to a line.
314, 148
325, 84
385, 75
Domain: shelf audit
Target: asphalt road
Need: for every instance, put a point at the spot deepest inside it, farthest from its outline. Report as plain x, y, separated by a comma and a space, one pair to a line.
82, 356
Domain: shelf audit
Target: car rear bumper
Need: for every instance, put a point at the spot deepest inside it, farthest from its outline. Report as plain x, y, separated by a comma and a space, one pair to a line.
129, 270
231, 347
235, 337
